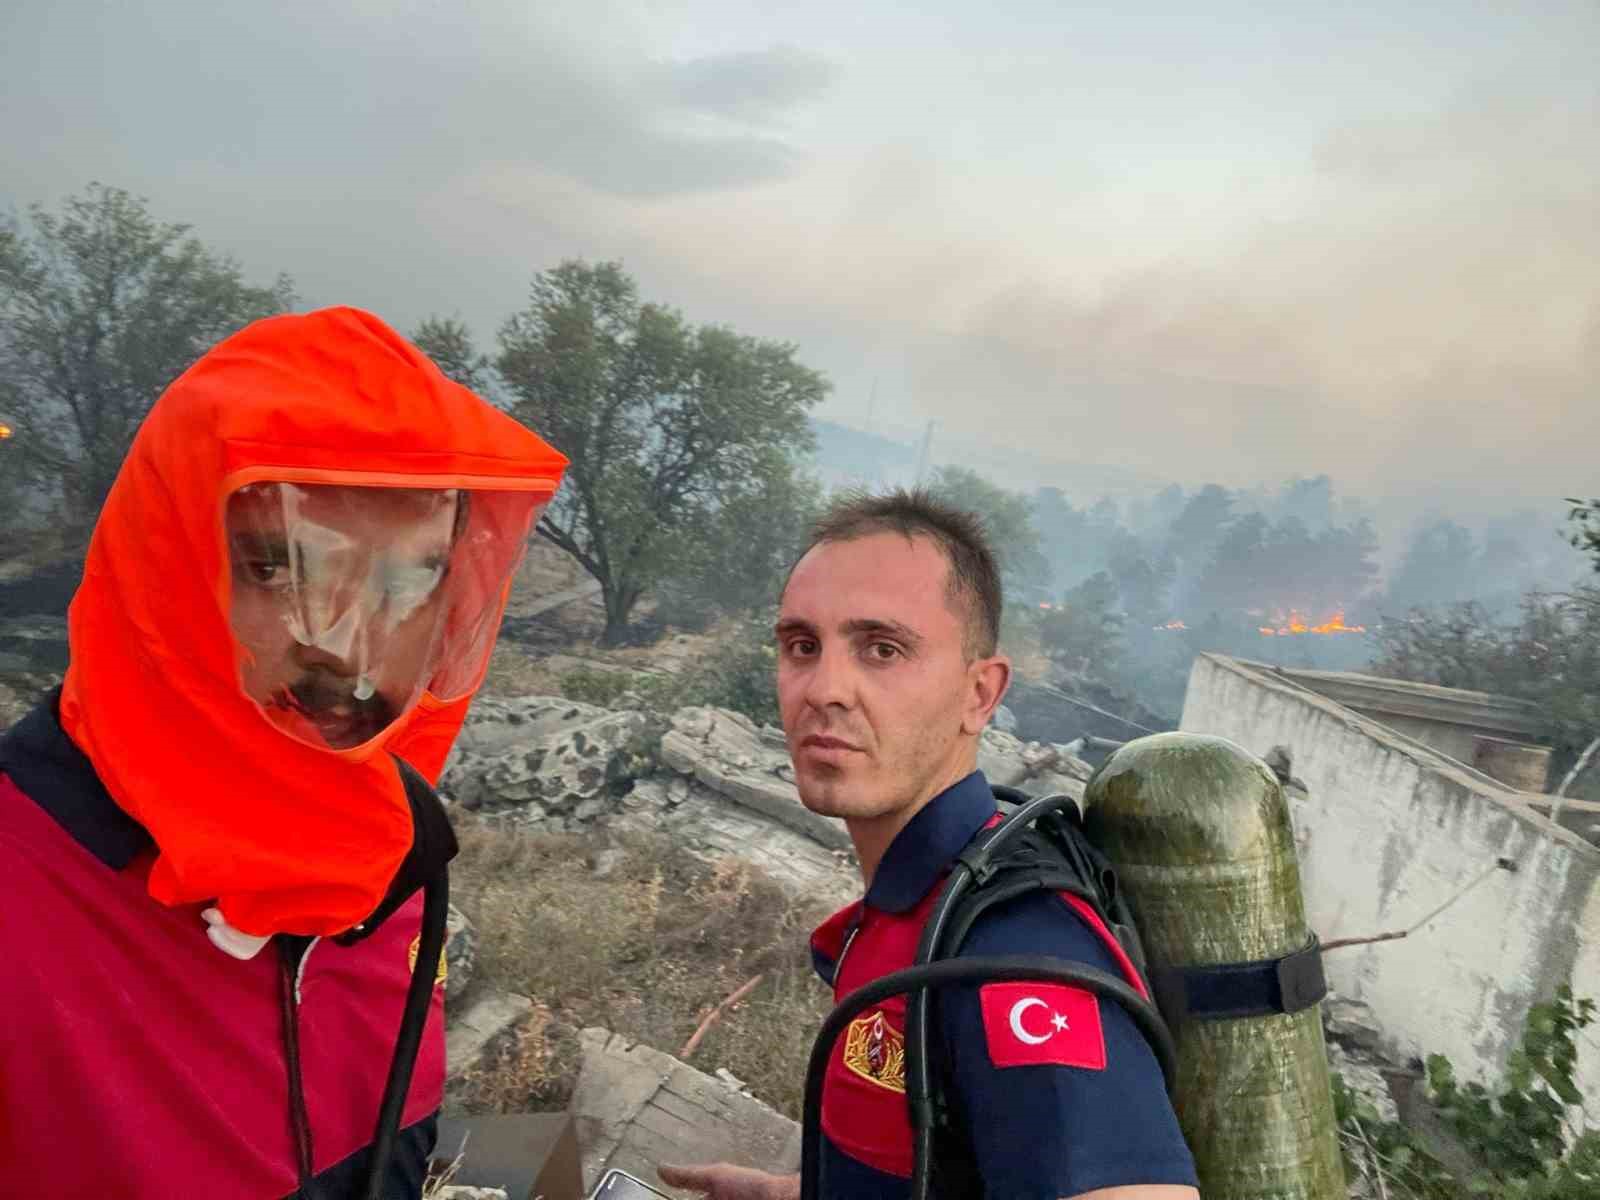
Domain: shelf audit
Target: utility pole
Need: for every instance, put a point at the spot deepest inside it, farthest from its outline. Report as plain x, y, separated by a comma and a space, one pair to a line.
876, 480
922, 455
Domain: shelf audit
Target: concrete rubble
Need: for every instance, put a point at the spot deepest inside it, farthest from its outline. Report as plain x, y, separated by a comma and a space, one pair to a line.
714, 781
718, 785
559, 765
636, 1107
1037, 768
555, 764
746, 764
473, 1032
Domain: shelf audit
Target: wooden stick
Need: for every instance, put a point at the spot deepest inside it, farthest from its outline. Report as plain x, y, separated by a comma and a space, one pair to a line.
715, 1014
1577, 769
1499, 864
1362, 941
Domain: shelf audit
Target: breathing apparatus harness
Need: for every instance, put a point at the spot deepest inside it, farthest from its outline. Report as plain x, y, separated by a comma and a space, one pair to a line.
427, 864
1039, 844
425, 867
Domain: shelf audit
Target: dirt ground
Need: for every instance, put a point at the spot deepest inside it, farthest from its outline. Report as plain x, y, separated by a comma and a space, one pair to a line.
635, 936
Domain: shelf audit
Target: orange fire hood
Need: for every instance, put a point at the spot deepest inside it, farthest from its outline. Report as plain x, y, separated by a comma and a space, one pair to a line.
286, 837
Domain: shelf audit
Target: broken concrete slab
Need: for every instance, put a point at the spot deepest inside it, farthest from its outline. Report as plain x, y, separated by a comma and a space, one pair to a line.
728, 753
1038, 768
636, 1106
703, 824
468, 1036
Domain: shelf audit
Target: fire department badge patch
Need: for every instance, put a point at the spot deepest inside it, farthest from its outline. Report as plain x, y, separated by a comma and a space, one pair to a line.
416, 947
874, 1051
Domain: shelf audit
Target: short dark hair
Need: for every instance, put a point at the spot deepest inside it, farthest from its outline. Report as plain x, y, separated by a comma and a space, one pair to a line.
973, 585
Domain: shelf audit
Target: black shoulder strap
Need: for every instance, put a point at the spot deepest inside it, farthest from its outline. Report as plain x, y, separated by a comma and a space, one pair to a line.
433, 845
1041, 844
1038, 845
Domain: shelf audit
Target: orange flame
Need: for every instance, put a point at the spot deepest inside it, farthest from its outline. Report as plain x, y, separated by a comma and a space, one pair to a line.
1294, 623
1170, 625
5, 431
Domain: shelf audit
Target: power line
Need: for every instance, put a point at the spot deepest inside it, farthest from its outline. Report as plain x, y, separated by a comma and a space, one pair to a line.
1045, 687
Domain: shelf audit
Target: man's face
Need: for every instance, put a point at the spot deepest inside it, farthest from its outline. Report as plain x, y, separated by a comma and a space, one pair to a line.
337, 598
873, 680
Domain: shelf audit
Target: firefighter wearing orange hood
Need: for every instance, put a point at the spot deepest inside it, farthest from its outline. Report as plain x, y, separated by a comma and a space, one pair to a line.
225, 862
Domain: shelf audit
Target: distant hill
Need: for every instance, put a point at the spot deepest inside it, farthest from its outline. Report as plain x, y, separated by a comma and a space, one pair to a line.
849, 457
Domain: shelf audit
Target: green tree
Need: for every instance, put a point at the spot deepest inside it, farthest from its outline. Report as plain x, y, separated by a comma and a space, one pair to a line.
1525, 1137
1550, 655
1065, 539
1584, 517
1258, 566
1308, 500
448, 341
1439, 567
1200, 526
1235, 577
1083, 634
1008, 517
734, 564
1144, 581
665, 422
101, 307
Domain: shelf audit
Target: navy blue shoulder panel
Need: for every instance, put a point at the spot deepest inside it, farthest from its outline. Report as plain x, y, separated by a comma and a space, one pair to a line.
1051, 1131
413, 1148
47, 766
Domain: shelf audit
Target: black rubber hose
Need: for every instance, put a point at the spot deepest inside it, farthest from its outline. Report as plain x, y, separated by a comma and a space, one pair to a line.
999, 969
919, 1092
419, 996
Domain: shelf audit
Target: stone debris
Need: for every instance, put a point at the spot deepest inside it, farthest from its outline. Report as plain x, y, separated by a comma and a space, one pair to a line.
560, 766
453, 1192
460, 955
636, 1107
733, 757
470, 1036
1364, 1076
1351, 1024
1355, 1053
554, 764
1038, 768
705, 824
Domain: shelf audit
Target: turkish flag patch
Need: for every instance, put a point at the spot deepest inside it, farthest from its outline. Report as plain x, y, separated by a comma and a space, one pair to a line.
1042, 1024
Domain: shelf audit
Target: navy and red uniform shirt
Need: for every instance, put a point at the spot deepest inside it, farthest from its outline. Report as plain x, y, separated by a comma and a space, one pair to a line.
1063, 1093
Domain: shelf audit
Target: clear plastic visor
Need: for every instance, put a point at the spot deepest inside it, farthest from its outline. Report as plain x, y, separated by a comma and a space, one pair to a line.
349, 603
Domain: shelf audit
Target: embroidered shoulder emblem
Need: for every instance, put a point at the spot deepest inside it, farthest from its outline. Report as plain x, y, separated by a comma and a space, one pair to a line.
874, 1051
439, 976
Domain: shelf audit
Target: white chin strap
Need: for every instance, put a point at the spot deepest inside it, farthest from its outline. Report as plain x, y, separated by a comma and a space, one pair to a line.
233, 942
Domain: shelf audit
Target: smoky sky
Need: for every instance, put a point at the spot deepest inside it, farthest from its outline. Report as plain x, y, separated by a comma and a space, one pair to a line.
1198, 243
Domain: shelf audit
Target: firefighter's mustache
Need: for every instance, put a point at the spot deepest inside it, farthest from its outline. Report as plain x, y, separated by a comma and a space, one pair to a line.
317, 695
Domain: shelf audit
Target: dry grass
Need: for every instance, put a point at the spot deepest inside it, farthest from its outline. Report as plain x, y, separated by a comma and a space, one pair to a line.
515, 672
646, 950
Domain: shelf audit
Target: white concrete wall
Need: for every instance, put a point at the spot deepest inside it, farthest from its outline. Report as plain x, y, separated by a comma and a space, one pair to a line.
1390, 831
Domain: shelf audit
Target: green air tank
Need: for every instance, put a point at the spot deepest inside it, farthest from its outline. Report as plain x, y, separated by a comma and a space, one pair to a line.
1199, 833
